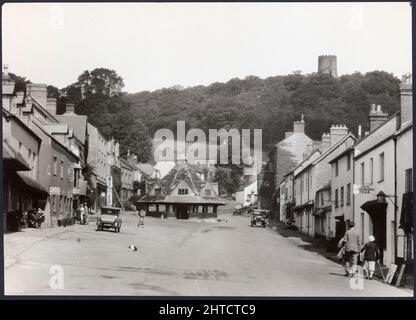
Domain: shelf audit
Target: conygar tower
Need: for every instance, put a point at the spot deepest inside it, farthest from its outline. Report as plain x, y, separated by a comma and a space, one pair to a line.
328, 64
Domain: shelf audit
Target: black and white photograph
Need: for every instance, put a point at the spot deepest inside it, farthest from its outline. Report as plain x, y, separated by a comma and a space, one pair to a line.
207, 149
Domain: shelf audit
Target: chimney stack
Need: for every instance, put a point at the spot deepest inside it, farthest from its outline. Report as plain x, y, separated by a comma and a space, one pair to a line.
299, 126
51, 105
337, 132
376, 117
69, 108
39, 92
5, 70
326, 142
406, 98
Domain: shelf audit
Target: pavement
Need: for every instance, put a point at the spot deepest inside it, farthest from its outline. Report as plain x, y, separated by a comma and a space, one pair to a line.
176, 258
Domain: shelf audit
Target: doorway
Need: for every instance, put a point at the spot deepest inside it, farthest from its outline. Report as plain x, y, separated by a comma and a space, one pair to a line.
182, 211
379, 221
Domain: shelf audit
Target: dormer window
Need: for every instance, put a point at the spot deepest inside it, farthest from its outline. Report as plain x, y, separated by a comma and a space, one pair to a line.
158, 191
208, 192
183, 191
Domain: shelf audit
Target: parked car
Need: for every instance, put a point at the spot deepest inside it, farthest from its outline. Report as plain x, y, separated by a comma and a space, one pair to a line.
110, 218
259, 218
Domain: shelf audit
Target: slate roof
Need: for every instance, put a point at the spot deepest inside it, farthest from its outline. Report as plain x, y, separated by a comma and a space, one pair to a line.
146, 168
76, 122
180, 172
9, 154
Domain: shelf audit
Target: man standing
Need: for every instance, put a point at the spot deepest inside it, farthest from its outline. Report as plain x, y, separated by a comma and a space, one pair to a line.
352, 248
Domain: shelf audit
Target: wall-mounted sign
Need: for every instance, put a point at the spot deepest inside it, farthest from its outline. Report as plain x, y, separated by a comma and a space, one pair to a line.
55, 191
82, 187
364, 189
75, 191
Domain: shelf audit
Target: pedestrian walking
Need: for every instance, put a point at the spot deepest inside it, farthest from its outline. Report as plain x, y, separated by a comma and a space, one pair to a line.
371, 255
142, 214
85, 213
81, 211
351, 242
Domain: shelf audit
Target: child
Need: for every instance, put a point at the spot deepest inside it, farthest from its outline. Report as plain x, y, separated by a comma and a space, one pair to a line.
142, 213
371, 255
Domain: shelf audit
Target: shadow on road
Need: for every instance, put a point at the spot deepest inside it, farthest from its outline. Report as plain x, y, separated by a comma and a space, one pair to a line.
317, 245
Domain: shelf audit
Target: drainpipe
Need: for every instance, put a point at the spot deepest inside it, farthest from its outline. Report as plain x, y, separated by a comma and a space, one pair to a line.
395, 198
309, 226
353, 183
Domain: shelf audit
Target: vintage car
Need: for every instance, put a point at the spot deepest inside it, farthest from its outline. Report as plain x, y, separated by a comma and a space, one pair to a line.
259, 218
110, 218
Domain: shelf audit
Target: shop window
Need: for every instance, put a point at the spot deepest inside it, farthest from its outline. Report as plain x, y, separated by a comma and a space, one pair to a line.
336, 198
362, 173
348, 161
348, 194
55, 166
371, 170
381, 160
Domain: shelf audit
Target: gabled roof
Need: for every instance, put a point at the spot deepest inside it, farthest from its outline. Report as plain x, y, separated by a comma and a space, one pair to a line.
41, 108
9, 115
326, 186
293, 139
331, 149
126, 165
343, 153
56, 128
76, 122
182, 172
247, 182
146, 168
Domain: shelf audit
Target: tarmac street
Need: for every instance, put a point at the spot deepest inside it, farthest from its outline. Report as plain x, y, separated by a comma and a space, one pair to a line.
175, 257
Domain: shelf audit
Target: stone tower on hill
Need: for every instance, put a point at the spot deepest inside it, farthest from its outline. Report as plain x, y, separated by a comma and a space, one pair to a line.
328, 64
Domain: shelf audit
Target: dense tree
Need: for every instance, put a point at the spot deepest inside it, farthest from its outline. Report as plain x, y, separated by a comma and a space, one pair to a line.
271, 104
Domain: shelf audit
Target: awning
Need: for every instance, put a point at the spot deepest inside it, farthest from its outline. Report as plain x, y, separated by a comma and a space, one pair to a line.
374, 207
322, 210
31, 183
339, 217
406, 217
12, 159
304, 206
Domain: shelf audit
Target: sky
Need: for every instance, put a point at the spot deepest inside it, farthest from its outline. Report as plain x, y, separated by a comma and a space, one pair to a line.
159, 45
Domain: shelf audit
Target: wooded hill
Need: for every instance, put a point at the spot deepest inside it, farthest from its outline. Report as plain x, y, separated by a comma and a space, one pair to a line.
271, 104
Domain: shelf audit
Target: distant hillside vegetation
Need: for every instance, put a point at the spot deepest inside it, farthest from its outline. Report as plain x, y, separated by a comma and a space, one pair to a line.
270, 104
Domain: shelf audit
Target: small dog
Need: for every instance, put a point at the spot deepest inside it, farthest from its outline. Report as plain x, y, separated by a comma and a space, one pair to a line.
132, 248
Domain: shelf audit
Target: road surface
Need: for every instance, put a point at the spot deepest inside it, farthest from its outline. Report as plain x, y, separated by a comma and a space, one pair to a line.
179, 258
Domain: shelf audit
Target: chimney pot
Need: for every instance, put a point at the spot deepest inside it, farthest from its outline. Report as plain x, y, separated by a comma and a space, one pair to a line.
376, 117
6, 69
